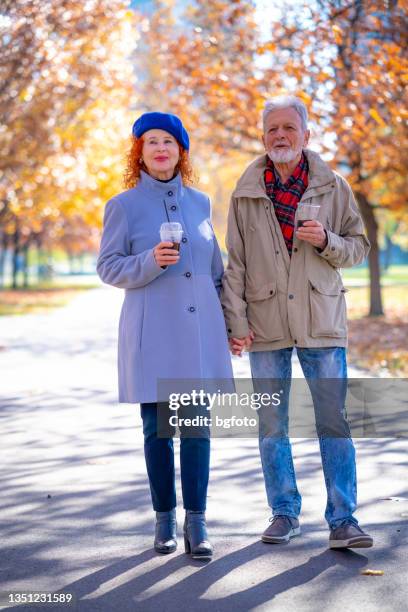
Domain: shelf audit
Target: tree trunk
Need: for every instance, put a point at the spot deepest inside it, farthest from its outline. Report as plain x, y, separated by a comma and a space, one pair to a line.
71, 262
376, 308
388, 252
25, 265
3, 251
15, 253
38, 247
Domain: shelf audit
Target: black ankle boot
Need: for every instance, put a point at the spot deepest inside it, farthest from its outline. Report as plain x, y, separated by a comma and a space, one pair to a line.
195, 536
165, 535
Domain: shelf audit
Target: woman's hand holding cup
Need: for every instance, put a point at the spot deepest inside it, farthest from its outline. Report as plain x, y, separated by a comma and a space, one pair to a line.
165, 254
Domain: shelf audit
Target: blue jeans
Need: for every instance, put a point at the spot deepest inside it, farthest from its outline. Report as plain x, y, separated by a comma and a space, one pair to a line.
336, 446
159, 456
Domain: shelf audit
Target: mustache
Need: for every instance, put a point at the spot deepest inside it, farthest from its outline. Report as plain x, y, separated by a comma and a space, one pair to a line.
283, 156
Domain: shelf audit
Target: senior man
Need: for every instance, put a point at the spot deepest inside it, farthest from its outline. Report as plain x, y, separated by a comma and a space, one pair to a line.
283, 289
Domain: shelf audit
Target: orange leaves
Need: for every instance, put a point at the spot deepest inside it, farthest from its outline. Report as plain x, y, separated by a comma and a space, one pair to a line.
373, 112
338, 34
268, 46
322, 76
73, 80
304, 96
213, 68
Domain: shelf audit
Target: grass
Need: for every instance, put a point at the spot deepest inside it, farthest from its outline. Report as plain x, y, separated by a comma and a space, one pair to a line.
394, 274
394, 301
39, 298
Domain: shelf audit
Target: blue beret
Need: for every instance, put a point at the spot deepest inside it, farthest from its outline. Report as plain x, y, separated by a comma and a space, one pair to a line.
162, 121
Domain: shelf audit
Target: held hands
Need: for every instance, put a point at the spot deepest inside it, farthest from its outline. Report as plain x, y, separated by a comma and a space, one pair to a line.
313, 232
165, 254
237, 345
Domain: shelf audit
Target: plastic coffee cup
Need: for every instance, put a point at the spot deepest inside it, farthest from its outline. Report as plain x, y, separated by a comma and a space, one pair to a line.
171, 232
306, 212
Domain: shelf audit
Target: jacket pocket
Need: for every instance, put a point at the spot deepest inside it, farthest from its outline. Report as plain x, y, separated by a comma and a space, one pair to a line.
263, 313
327, 309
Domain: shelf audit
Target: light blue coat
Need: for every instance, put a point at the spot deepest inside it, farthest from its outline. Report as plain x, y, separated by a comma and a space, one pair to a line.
171, 324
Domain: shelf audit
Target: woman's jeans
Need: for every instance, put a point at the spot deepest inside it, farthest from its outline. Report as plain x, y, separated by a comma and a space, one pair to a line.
159, 455
336, 446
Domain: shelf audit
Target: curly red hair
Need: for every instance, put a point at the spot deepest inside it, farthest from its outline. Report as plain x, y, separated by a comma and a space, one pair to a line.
134, 165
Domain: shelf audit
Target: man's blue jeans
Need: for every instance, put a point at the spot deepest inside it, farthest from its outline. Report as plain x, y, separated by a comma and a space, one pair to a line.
337, 450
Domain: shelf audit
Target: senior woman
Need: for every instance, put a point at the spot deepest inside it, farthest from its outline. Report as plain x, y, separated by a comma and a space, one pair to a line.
171, 324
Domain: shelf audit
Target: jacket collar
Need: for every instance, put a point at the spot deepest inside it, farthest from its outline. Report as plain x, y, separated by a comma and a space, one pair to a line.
148, 183
251, 184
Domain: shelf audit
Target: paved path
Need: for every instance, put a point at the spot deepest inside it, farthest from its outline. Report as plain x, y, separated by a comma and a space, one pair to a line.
75, 508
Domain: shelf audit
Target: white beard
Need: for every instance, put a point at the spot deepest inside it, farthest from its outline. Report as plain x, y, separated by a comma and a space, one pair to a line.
283, 157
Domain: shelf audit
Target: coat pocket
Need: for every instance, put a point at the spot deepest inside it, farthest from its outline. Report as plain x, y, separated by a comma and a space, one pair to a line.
327, 310
263, 313
132, 326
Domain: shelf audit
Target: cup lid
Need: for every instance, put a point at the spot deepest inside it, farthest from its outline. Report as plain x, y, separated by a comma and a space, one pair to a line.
171, 226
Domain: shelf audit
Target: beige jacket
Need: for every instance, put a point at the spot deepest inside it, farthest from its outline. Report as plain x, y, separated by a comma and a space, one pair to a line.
297, 301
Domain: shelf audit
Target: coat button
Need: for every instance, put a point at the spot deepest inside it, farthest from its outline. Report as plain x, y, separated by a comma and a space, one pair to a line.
188, 274
173, 207
169, 193
295, 341
229, 331
191, 309
277, 252
184, 239
291, 296
295, 250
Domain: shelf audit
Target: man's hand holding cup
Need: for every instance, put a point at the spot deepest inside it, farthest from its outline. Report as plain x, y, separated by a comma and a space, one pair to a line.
308, 228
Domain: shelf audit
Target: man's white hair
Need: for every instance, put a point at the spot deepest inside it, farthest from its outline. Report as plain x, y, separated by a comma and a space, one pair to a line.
280, 102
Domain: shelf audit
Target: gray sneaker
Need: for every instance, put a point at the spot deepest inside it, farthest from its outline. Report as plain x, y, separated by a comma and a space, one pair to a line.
281, 529
349, 536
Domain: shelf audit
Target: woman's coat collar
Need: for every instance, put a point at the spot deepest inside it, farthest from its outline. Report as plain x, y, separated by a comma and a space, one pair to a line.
148, 183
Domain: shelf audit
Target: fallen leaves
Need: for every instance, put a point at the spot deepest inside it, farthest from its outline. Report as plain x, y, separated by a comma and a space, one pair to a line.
380, 343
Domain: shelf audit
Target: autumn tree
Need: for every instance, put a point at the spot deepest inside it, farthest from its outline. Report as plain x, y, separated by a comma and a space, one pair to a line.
66, 85
204, 71
351, 58
346, 59
207, 71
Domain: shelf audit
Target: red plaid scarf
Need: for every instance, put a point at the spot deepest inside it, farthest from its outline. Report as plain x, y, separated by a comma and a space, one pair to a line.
285, 198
